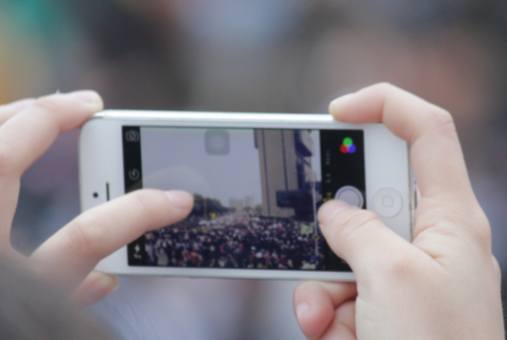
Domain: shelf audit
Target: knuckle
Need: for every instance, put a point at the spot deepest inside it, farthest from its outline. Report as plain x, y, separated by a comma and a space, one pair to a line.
7, 157
476, 226
482, 234
82, 238
149, 203
443, 119
441, 115
473, 228
385, 86
398, 265
48, 104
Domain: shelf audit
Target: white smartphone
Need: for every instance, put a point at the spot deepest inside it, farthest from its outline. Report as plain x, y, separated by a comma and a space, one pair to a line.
257, 180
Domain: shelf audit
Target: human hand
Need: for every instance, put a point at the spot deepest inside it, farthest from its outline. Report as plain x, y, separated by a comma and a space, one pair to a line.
66, 260
443, 285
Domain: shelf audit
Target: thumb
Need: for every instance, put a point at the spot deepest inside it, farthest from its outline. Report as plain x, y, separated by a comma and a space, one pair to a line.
361, 239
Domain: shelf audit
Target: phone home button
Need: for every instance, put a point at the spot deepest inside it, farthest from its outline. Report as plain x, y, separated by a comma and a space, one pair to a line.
387, 202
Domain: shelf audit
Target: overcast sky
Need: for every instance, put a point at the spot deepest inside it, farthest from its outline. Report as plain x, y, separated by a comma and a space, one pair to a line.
177, 159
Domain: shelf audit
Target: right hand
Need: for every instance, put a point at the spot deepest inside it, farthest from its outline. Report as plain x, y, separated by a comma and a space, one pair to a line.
443, 285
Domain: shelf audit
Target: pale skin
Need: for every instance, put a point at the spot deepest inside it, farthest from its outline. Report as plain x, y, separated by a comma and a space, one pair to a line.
445, 284
67, 259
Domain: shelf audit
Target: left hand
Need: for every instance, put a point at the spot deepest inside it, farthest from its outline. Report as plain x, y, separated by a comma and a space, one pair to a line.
66, 260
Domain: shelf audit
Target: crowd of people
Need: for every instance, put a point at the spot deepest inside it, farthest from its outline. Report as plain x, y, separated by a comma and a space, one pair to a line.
235, 241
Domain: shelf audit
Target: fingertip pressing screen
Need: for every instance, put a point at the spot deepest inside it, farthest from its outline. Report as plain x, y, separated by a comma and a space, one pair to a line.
256, 194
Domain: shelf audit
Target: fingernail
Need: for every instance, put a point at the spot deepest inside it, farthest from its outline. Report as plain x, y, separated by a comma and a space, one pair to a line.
110, 282
329, 210
335, 104
302, 310
105, 286
181, 199
86, 96
89, 97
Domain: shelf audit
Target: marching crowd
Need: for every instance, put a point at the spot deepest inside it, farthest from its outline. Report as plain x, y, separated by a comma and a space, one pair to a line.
235, 241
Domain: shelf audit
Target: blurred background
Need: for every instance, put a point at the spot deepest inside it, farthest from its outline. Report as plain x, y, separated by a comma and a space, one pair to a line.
260, 56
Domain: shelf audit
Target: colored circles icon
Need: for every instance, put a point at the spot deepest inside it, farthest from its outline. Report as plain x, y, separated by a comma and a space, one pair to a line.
348, 146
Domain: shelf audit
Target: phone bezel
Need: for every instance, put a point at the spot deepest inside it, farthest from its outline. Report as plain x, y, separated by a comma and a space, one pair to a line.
101, 164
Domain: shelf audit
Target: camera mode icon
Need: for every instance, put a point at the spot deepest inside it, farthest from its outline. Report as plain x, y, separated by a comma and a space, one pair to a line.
132, 136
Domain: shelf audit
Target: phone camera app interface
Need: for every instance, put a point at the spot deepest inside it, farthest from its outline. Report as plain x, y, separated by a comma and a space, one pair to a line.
255, 205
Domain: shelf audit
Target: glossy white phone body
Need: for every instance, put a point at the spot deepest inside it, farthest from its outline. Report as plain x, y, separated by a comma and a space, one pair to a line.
388, 178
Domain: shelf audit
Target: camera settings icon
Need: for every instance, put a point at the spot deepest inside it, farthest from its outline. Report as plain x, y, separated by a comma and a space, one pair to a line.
132, 136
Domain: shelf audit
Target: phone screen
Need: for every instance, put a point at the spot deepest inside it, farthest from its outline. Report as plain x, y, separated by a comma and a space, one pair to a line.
256, 194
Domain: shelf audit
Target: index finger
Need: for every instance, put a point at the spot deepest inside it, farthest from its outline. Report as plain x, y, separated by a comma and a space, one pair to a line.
435, 150
29, 133
26, 135
8, 111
